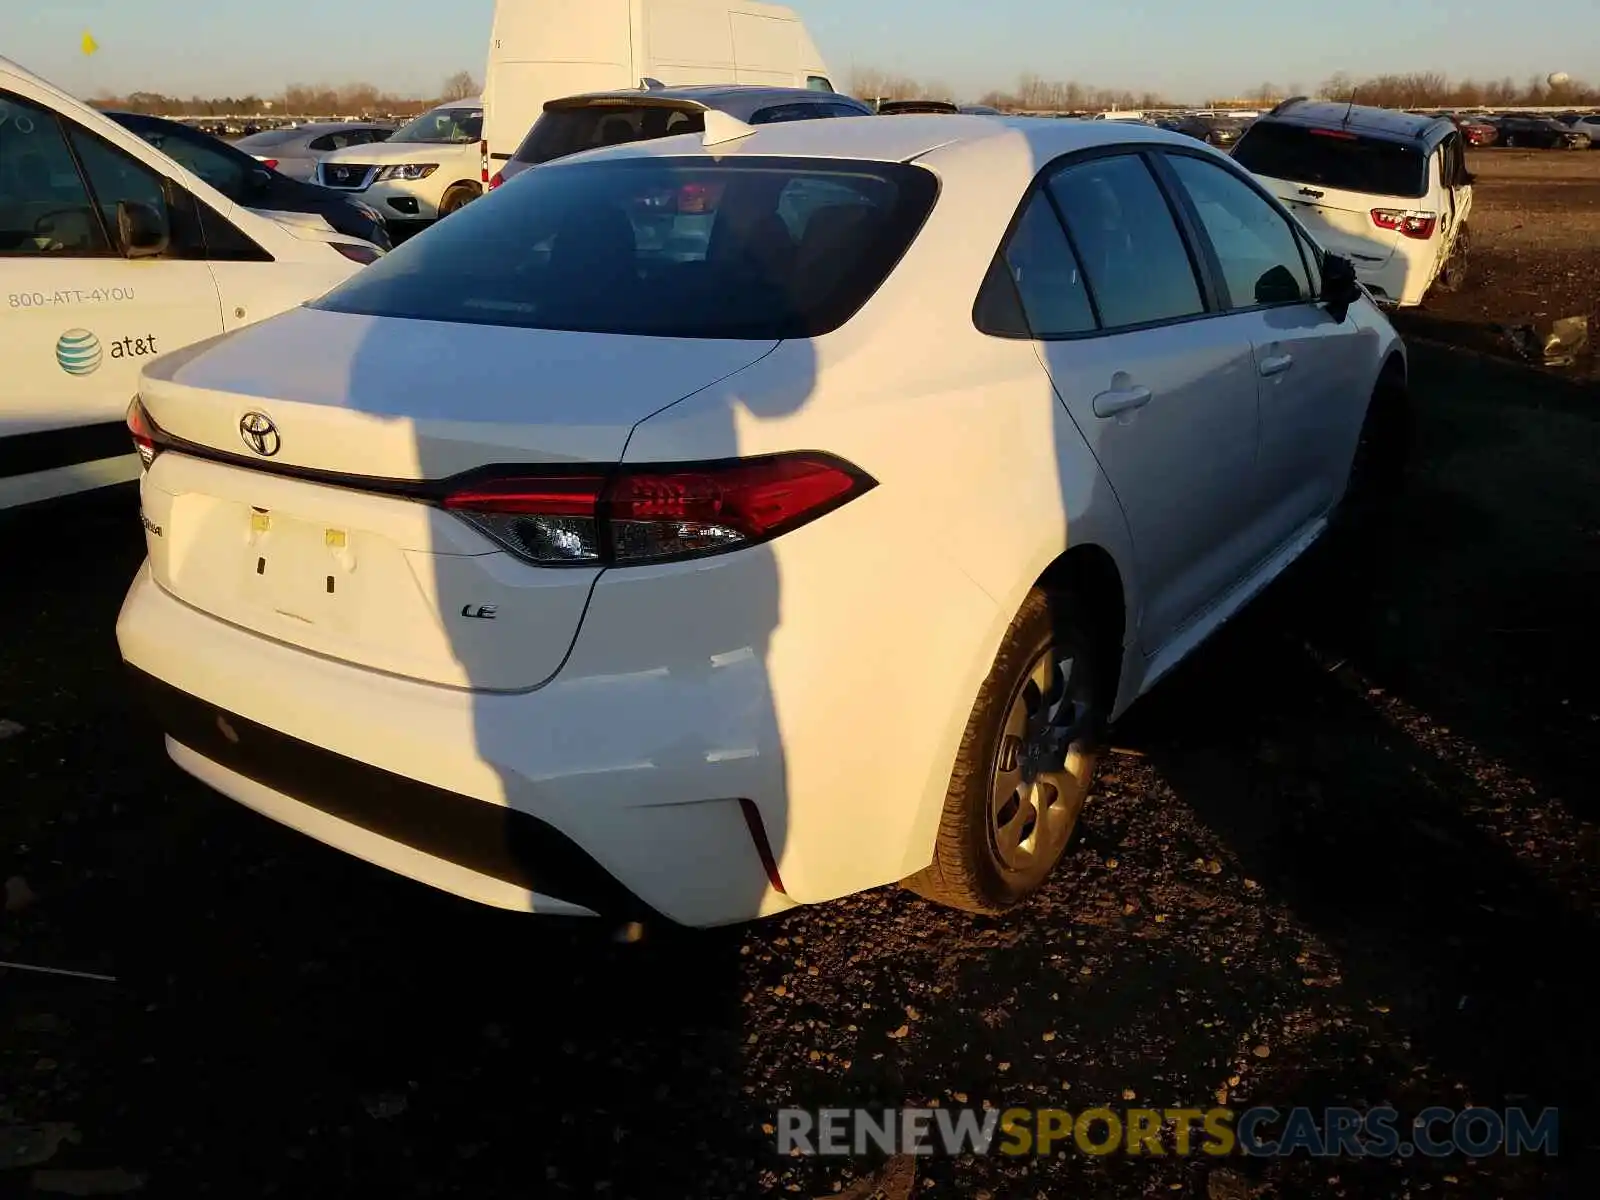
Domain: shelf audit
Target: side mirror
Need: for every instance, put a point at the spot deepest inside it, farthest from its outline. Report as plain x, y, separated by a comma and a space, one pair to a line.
1340, 288
142, 230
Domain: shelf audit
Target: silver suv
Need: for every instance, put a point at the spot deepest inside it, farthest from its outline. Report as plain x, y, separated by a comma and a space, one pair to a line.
587, 122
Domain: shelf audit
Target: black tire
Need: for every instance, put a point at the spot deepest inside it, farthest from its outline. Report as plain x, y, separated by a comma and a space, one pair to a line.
458, 197
1381, 465
1453, 275
970, 869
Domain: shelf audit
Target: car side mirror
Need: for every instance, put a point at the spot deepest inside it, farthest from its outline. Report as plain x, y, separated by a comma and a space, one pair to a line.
142, 230
1340, 288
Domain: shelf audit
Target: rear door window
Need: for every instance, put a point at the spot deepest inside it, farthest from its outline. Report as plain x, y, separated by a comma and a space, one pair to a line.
565, 131
757, 248
44, 207
1333, 158
1138, 266
1036, 277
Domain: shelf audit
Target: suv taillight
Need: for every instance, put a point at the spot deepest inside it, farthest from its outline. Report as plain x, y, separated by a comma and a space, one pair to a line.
1411, 222
145, 432
634, 515
498, 178
483, 165
270, 164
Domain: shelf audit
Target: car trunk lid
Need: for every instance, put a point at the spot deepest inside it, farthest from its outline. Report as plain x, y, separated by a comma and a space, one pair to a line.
298, 493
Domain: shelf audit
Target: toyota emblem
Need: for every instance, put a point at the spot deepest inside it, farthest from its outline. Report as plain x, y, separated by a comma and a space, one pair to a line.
260, 434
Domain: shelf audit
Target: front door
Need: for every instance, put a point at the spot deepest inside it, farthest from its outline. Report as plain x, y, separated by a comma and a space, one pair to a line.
1306, 362
79, 319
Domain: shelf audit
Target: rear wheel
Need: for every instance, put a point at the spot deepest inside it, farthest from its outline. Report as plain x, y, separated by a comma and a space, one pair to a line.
458, 197
1026, 762
1383, 455
1453, 275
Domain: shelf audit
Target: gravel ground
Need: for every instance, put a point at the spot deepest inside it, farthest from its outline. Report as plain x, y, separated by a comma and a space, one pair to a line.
1535, 251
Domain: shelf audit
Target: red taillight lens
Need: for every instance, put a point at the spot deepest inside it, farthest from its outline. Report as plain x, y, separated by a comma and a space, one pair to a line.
483, 161
1411, 223
699, 197
145, 433
658, 513
496, 180
270, 164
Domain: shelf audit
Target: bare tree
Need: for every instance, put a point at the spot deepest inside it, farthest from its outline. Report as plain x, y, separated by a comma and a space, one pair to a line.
459, 86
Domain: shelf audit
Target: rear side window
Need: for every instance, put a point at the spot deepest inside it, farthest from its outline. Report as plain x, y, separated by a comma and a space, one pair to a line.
1138, 267
797, 112
757, 248
1036, 278
1254, 243
1333, 158
819, 83
560, 132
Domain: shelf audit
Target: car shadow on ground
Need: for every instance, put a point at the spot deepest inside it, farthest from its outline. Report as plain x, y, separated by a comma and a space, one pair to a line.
1396, 743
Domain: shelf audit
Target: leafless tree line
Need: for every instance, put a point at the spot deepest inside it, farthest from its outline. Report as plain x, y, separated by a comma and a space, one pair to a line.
1416, 90
300, 99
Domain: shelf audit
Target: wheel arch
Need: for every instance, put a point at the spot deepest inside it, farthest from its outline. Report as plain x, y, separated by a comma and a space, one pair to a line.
1091, 575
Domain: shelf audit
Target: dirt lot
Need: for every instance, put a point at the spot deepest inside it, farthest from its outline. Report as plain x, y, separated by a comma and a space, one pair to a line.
1535, 251
1347, 856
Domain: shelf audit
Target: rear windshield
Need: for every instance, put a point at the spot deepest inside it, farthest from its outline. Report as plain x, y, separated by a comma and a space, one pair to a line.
562, 131
1334, 158
754, 248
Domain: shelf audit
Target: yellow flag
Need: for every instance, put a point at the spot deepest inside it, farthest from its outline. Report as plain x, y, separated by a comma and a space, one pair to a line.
89, 44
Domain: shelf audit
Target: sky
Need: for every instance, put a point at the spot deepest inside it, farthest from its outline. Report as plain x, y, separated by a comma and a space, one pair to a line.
1184, 50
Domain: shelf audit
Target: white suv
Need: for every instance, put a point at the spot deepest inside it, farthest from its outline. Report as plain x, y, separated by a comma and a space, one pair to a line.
1389, 190
428, 169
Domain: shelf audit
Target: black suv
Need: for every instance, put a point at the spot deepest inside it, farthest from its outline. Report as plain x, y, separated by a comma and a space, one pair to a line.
252, 184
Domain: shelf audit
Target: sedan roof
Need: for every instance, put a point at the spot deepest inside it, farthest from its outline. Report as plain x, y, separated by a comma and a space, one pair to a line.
903, 139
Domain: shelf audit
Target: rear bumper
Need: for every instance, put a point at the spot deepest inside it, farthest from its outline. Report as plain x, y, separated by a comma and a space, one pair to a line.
519, 801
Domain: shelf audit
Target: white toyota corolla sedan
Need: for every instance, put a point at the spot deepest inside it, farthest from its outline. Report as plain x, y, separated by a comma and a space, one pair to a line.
741, 520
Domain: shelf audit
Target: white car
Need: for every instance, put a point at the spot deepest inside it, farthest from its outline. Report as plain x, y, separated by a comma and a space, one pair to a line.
717, 524
112, 253
1388, 190
427, 169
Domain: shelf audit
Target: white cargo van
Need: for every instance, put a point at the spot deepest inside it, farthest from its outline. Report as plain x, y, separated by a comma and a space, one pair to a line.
111, 254
542, 50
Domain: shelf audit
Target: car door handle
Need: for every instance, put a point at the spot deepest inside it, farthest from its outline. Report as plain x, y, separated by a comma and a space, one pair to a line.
1276, 365
1115, 403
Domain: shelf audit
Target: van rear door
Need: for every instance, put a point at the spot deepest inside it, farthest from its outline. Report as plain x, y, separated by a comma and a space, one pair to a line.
765, 49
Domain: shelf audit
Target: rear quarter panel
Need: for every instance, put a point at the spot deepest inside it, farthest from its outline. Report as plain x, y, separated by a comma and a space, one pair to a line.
878, 623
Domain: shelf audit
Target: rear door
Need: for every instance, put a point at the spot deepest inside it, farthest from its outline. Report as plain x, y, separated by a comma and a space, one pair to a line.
1312, 394
1333, 179
78, 318
1161, 386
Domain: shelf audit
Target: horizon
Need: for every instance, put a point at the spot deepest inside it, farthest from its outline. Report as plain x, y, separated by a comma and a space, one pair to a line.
1185, 53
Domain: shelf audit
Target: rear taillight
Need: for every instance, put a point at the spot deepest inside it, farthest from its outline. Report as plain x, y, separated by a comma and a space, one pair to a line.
145, 433
1411, 222
652, 514
496, 180
270, 164
483, 161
